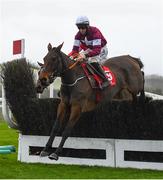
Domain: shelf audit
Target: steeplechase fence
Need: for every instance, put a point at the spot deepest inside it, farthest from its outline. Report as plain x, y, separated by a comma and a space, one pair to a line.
115, 134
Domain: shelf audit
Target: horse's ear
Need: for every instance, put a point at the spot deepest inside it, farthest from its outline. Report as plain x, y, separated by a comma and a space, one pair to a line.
49, 47
59, 47
40, 64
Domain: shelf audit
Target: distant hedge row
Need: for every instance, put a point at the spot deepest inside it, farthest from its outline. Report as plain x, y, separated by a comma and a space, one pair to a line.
109, 120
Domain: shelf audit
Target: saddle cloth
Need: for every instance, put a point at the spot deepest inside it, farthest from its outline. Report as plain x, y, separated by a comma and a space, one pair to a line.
95, 80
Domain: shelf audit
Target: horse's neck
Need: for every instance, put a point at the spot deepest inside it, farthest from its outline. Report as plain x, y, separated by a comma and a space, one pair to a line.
70, 75
67, 77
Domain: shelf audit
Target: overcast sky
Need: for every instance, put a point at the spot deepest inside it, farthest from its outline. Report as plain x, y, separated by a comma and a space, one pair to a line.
132, 27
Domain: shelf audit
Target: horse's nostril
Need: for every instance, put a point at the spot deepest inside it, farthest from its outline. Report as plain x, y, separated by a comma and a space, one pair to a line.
44, 79
38, 87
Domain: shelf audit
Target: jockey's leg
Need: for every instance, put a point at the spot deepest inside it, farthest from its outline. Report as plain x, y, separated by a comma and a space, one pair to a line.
103, 75
99, 69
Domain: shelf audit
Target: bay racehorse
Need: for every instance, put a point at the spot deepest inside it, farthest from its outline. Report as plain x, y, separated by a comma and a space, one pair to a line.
77, 96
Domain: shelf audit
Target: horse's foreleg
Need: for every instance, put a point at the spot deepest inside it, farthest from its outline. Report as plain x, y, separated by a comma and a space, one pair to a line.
74, 116
61, 111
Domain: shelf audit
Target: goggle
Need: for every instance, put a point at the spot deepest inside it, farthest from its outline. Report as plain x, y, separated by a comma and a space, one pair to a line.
82, 26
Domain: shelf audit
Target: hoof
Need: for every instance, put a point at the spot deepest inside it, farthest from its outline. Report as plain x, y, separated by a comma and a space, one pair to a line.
44, 153
53, 156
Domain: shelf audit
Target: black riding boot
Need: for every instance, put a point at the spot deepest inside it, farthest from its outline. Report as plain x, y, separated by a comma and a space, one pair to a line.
101, 72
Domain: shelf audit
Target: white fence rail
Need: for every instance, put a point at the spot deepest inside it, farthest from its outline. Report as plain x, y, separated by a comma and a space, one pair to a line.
154, 96
26, 141
140, 146
115, 150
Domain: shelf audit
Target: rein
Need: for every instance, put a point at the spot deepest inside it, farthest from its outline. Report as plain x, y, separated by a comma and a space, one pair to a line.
74, 64
69, 68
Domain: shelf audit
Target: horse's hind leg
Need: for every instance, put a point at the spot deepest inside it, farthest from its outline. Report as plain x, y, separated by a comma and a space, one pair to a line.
125, 94
57, 125
74, 116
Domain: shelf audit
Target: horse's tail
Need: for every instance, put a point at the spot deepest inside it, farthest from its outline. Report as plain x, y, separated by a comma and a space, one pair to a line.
142, 92
141, 65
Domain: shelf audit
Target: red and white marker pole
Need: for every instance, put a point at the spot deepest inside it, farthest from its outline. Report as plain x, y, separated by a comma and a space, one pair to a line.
19, 47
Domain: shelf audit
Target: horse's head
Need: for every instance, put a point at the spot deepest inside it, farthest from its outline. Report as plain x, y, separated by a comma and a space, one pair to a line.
51, 68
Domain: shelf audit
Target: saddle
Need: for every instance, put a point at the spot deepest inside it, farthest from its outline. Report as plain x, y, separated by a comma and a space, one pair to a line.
94, 78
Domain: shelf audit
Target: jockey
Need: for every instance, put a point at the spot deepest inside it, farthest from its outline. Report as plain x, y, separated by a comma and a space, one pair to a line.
91, 44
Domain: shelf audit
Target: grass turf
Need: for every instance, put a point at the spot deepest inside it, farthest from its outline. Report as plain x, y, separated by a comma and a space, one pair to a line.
13, 169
